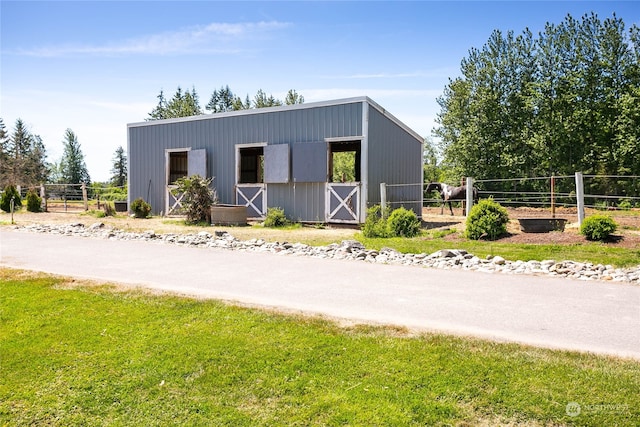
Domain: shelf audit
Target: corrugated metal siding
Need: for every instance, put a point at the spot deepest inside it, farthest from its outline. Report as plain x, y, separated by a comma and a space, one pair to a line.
220, 133
300, 201
394, 157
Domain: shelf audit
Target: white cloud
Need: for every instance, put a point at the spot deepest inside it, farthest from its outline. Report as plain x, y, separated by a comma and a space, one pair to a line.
215, 38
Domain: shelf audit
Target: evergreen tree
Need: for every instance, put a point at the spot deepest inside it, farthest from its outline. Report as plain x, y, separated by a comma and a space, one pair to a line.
4, 154
182, 104
293, 98
159, 112
72, 165
261, 100
23, 157
238, 104
119, 169
221, 100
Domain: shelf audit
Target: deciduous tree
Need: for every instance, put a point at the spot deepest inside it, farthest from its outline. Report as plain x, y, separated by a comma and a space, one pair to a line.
563, 102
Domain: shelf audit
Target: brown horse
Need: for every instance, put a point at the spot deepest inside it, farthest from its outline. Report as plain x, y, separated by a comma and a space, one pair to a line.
449, 193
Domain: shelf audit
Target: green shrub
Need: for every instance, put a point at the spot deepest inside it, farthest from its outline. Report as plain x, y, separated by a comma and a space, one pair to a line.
198, 197
109, 209
487, 219
275, 218
625, 205
403, 223
598, 227
375, 225
140, 208
10, 193
34, 202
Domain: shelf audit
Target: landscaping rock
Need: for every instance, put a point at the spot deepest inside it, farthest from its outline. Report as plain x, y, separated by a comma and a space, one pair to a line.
354, 250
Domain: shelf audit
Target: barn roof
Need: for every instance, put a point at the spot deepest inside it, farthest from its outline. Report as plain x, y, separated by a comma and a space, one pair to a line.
256, 111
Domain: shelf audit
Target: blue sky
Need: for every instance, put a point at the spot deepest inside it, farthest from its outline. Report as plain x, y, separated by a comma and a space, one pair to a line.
95, 66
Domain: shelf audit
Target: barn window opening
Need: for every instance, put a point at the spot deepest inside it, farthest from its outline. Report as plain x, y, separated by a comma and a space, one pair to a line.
251, 165
178, 165
344, 161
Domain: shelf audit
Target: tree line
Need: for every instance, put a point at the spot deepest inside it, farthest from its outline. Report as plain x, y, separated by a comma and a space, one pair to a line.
23, 157
187, 103
23, 160
567, 100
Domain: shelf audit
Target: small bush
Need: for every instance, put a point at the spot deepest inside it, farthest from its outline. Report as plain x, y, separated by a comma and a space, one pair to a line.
598, 227
140, 208
375, 225
198, 197
10, 193
487, 219
109, 209
275, 218
34, 202
625, 204
403, 223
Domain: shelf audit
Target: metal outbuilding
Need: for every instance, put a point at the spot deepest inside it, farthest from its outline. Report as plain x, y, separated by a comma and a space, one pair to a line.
281, 157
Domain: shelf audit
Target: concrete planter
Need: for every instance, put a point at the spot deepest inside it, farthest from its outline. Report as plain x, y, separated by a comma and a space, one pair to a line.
120, 206
541, 225
228, 215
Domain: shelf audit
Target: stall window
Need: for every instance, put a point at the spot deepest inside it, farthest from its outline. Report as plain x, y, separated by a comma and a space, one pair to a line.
178, 165
251, 165
344, 158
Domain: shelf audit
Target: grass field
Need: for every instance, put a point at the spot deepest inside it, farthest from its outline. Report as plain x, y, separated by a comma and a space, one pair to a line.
75, 353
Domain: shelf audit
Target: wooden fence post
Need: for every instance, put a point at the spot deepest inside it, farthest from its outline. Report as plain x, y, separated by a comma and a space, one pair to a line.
580, 197
84, 196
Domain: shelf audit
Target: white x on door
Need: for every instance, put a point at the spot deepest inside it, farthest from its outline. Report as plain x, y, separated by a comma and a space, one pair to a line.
343, 202
254, 197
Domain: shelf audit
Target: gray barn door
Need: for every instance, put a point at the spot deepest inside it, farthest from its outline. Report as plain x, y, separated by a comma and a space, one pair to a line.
343, 202
254, 197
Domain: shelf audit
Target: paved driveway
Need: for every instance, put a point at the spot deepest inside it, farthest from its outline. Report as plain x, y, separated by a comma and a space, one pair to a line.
556, 313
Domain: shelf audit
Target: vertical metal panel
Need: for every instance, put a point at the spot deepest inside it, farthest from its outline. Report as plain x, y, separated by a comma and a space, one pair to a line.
309, 161
394, 157
276, 163
197, 162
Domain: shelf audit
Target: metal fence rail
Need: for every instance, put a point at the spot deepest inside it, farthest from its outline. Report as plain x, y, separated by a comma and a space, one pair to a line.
547, 192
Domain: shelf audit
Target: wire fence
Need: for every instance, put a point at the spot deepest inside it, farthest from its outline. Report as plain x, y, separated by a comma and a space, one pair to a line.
601, 192
564, 195
77, 197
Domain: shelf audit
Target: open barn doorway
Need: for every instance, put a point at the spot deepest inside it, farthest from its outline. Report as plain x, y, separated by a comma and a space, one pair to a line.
180, 163
250, 186
343, 188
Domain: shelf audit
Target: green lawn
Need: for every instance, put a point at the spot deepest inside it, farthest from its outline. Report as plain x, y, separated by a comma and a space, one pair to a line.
76, 354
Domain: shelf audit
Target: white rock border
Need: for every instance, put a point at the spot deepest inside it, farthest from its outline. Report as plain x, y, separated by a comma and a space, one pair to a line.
354, 250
